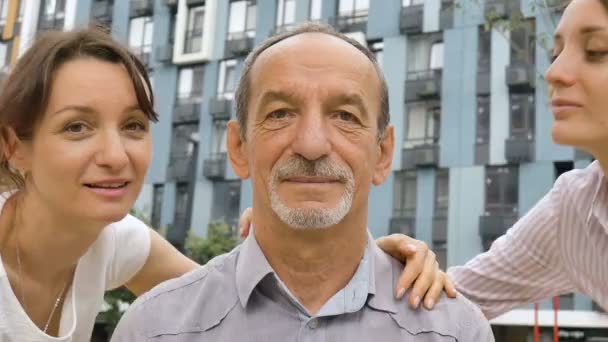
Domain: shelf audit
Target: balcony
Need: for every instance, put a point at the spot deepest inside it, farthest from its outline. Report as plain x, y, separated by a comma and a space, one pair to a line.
403, 225
519, 150
411, 19
239, 43
214, 167
219, 108
170, 3
187, 110
192, 3
140, 8
357, 22
420, 156
423, 85
102, 11
492, 226
440, 230
520, 78
500, 9
164, 53
180, 167
446, 15
51, 23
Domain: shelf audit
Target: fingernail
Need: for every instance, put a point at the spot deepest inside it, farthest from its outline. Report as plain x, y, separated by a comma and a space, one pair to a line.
429, 303
416, 302
400, 293
411, 248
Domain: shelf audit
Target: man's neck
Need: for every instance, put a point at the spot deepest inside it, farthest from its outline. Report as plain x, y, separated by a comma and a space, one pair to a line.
313, 264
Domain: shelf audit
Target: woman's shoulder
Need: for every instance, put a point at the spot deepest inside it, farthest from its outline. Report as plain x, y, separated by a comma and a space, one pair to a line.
130, 232
578, 188
577, 180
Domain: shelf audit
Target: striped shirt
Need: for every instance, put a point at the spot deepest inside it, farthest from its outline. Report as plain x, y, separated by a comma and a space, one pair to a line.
560, 246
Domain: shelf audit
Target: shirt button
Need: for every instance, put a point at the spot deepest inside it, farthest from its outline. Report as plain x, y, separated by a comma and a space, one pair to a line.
313, 323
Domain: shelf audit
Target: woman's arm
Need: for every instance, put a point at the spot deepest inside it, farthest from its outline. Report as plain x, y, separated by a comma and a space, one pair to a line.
523, 266
163, 263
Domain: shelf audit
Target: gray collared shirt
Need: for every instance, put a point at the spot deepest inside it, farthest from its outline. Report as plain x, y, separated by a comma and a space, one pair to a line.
238, 297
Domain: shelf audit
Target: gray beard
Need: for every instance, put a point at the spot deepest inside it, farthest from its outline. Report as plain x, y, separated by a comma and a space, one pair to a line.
306, 218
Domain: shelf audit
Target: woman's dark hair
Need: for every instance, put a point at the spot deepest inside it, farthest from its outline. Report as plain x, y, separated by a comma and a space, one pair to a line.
25, 92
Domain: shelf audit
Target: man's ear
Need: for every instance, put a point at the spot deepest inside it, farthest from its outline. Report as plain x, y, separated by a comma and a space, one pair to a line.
15, 150
237, 150
384, 164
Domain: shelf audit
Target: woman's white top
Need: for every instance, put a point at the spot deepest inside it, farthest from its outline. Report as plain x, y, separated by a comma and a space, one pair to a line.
119, 252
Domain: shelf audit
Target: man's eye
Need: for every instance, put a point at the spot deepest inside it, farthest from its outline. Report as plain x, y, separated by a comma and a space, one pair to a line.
346, 116
278, 114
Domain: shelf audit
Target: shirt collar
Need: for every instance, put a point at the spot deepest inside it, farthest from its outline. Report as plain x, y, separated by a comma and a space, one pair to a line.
252, 267
599, 209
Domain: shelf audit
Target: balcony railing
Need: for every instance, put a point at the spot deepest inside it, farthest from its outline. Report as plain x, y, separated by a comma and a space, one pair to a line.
140, 8
239, 43
180, 167
355, 22
411, 19
423, 84
423, 152
214, 167
187, 108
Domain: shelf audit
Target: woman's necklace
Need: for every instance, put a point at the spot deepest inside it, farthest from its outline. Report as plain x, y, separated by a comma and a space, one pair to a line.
59, 297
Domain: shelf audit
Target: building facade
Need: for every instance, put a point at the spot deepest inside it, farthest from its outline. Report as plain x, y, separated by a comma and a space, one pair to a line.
468, 102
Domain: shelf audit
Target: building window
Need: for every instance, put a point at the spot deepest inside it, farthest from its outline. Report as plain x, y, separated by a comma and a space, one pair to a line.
141, 30
522, 116
405, 3
226, 203
194, 32
423, 124
183, 136
378, 50
501, 190
226, 84
483, 120
315, 10
442, 191
405, 194
286, 13
52, 15
523, 42
190, 84
424, 52
484, 50
182, 196
157, 205
218, 144
241, 22
353, 8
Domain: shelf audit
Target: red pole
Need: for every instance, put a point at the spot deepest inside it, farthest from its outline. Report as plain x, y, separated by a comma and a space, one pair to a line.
536, 329
555, 325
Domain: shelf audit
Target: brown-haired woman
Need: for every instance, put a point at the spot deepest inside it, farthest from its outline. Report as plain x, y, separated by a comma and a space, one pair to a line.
74, 119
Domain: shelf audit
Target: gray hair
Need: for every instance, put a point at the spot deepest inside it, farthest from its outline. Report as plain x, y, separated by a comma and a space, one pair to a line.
243, 89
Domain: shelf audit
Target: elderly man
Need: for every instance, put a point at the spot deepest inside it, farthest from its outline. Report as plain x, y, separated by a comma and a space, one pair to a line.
313, 135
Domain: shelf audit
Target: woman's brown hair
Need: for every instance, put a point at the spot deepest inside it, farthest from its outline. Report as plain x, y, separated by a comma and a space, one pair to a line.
25, 92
